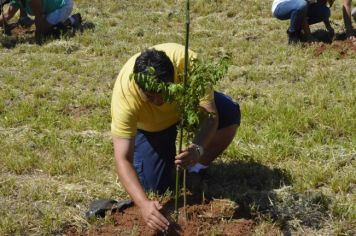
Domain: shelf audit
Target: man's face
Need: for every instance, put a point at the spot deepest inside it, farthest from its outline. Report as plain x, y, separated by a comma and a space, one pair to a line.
154, 98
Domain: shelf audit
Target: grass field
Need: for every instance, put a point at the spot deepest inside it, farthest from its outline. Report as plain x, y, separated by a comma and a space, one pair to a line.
298, 116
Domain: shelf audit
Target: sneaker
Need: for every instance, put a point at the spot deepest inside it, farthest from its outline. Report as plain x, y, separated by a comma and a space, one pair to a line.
77, 21
25, 22
293, 37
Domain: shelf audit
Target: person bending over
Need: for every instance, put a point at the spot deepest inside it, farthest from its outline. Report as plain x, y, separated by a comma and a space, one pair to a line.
301, 14
24, 20
47, 13
144, 130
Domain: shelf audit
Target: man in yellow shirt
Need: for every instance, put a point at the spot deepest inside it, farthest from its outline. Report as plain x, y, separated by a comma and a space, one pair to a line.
144, 130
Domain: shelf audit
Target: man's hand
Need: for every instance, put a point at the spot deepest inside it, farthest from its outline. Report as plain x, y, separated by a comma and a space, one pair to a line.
124, 149
189, 156
152, 216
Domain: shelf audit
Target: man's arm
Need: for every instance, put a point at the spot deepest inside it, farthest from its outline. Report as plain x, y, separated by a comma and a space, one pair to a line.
346, 12
42, 26
124, 149
11, 11
207, 130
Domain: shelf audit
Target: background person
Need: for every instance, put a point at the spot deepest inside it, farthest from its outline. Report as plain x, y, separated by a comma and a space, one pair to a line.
302, 13
48, 13
144, 130
24, 20
318, 11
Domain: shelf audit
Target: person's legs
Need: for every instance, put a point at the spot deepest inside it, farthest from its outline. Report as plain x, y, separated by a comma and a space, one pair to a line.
154, 158
293, 10
229, 121
60, 15
318, 13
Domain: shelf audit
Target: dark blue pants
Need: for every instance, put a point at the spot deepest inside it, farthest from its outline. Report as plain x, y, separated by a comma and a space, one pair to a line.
155, 151
318, 13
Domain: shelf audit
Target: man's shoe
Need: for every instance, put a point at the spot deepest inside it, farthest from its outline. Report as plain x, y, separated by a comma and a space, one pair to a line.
25, 22
77, 24
74, 21
293, 37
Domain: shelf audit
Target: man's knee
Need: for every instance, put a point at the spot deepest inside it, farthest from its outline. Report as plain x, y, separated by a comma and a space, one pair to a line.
228, 110
301, 6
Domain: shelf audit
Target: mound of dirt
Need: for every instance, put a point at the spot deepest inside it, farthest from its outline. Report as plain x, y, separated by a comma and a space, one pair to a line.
341, 47
19, 31
216, 217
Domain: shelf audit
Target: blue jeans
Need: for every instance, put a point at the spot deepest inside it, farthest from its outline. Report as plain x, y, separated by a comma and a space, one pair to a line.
294, 10
155, 151
61, 14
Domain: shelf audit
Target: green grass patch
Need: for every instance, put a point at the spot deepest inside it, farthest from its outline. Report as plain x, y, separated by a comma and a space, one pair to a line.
295, 147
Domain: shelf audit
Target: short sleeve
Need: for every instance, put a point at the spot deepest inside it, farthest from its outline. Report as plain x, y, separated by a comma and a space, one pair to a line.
124, 119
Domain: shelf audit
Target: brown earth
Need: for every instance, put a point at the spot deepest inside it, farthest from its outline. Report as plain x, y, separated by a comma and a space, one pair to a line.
217, 217
343, 48
19, 31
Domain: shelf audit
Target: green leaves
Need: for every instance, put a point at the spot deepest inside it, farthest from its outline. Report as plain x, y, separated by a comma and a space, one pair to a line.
148, 82
202, 76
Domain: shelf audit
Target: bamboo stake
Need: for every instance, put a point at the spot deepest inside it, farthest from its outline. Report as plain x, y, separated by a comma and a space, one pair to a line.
186, 60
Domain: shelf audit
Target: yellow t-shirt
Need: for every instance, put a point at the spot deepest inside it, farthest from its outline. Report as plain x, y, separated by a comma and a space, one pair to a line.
129, 108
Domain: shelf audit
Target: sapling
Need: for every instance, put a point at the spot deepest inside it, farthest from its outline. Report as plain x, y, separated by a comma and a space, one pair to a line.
195, 83
201, 76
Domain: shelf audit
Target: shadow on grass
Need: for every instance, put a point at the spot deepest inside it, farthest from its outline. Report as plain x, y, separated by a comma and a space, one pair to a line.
246, 182
323, 36
17, 35
264, 192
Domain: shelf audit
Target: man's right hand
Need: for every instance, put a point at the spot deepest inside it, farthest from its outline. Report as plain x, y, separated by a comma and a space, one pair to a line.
151, 214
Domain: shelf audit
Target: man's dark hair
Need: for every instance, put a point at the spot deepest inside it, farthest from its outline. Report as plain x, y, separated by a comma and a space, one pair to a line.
163, 67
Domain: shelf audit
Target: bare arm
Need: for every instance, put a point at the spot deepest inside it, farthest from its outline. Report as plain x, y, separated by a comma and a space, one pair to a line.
206, 132
36, 6
346, 12
11, 11
123, 149
42, 26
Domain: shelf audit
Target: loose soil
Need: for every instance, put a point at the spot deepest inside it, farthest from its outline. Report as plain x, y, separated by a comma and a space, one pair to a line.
216, 217
341, 47
19, 31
